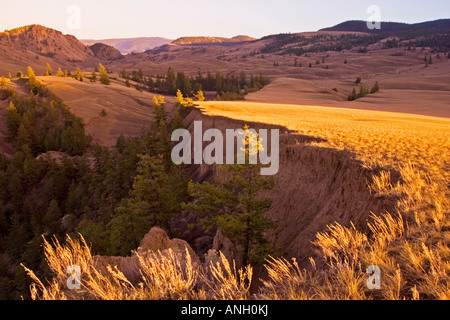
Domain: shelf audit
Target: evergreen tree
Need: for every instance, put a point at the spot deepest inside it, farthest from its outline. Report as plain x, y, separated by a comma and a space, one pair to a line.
155, 199
242, 80
13, 119
104, 78
199, 96
30, 73
232, 205
74, 140
78, 75
363, 91
52, 218
180, 98
352, 96
49, 71
60, 73
375, 88
94, 76
23, 137
156, 101
19, 74
2, 81
171, 81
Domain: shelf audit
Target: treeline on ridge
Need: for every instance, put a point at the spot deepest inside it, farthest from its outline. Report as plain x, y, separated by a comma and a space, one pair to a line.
173, 81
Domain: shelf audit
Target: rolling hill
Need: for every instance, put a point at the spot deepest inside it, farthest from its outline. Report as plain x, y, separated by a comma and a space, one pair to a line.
211, 40
441, 25
36, 45
130, 45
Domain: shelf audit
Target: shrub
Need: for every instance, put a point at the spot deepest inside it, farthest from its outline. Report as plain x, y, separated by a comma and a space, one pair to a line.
229, 96
104, 78
375, 88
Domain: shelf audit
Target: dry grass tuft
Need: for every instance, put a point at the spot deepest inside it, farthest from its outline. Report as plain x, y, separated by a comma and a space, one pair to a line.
167, 274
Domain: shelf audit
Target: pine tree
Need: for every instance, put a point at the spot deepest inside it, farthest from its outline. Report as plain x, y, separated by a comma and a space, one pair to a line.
94, 76
30, 73
177, 122
199, 96
52, 218
78, 75
171, 81
154, 200
23, 137
19, 74
2, 81
127, 83
242, 80
60, 73
49, 71
156, 101
352, 96
232, 205
375, 88
74, 140
10, 76
180, 98
13, 119
363, 91
104, 78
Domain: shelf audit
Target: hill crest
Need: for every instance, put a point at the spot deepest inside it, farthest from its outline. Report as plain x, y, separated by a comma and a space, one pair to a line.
209, 40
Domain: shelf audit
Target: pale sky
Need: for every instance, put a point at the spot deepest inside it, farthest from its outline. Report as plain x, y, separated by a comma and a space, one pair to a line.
101, 19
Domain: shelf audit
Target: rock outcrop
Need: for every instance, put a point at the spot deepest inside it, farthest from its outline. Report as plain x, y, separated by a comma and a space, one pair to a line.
155, 241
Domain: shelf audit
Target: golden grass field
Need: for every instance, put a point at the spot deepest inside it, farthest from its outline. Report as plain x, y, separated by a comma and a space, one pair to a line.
377, 137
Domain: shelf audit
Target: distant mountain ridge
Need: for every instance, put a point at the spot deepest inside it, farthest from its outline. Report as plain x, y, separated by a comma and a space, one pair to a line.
442, 25
211, 40
130, 45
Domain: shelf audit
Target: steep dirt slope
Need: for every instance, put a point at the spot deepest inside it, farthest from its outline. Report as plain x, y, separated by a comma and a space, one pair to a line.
315, 187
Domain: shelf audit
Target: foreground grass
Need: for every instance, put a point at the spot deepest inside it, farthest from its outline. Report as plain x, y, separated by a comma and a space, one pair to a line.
410, 246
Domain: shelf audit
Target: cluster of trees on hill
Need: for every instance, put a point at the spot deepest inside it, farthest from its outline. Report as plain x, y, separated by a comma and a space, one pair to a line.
78, 75
363, 91
317, 43
436, 40
42, 122
112, 197
173, 81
